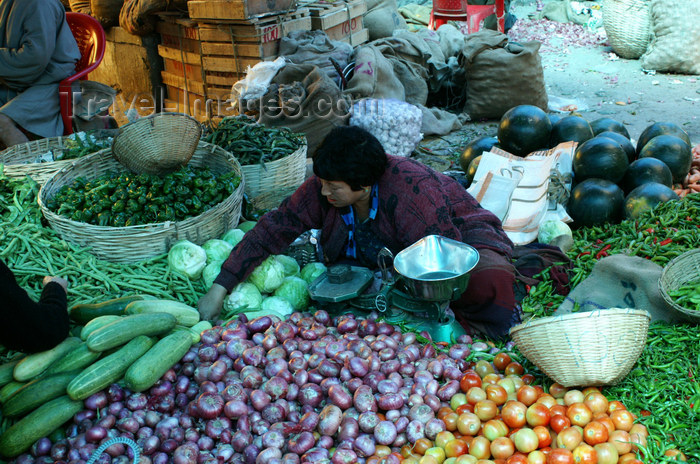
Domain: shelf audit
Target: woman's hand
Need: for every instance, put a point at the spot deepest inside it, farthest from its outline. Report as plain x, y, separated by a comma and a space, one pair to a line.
209, 305
59, 280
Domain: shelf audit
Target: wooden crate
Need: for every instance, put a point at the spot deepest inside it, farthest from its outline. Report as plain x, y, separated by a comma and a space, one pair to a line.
199, 107
341, 20
355, 38
217, 10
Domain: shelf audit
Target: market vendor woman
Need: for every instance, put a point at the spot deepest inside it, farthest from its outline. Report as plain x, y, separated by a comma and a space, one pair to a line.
363, 200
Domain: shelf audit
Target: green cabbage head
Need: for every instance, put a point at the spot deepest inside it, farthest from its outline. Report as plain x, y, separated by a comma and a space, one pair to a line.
291, 267
268, 276
294, 290
245, 297
211, 272
233, 236
274, 305
187, 258
551, 229
312, 270
217, 250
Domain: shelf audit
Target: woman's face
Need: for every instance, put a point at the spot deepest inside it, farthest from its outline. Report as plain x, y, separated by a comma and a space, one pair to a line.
339, 194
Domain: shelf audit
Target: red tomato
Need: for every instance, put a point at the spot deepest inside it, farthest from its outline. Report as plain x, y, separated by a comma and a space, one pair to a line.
596, 402
560, 456
613, 405
546, 399
579, 414
573, 396
497, 394
456, 448
640, 429
517, 458
475, 394
559, 423
468, 424
464, 408
486, 410
525, 440
484, 367
676, 454
623, 419
514, 368
457, 400
569, 438
494, 428
595, 432
501, 361
528, 379
450, 421
469, 379
621, 440
443, 411
421, 445
557, 409
607, 453
607, 422
443, 438
537, 414
480, 448
382, 451
406, 450
502, 448
585, 454
527, 394
544, 438
491, 379
629, 458
537, 457
639, 441
513, 413
557, 390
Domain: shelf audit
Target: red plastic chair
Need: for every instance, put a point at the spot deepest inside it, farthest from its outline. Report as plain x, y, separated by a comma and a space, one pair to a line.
473, 15
91, 41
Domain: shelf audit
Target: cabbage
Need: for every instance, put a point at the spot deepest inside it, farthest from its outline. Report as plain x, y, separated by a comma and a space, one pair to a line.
291, 267
274, 305
187, 258
217, 250
551, 229
294, 290
312, 270
246, 225
268, 276
245, 297
211, 272
233, 236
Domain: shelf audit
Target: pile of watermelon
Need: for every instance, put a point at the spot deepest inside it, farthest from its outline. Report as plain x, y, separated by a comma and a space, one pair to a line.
614, 178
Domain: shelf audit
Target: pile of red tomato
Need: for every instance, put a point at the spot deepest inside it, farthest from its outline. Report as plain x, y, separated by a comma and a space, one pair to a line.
501, 418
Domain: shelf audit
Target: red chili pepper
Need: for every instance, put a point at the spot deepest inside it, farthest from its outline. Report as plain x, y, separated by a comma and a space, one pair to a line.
666, 242
649, 230
603, 252
583, 253
655, 240
527, 288
598, 241
645, 413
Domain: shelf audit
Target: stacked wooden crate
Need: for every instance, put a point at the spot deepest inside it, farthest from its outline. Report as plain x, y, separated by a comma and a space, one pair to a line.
341, 20
205, 54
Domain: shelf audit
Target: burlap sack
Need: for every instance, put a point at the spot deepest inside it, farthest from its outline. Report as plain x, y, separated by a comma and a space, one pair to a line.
106, 11
437, 121
451, 40
373, 76
675, 46
304, 99
80, 6
382, 18
621, 281
315, 48
137, 16
501, 74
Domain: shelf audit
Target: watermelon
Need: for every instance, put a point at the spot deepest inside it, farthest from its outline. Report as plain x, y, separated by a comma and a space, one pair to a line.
471, 170
624, 142
601, 158
645, 198
608, 124
570, 129
646, 170
594, 202
524, 129
671, 150
475, 148
661, 128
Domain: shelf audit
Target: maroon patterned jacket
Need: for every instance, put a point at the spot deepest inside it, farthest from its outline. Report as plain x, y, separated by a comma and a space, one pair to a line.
414, 201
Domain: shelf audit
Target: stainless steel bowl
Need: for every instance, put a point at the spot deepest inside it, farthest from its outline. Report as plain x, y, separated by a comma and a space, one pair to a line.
436, 268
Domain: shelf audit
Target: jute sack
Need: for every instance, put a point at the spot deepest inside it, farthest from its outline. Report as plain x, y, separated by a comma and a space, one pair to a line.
137, 16
315, 48
80, 6
675, 45
374, 76
621, 281
382, 19
501, 74
106, 11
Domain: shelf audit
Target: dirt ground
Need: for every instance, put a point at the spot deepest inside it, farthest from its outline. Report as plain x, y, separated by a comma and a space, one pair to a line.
600, 84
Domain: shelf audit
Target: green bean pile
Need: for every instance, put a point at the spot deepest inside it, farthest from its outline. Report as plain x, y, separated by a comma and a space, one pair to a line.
252, 143
687, 295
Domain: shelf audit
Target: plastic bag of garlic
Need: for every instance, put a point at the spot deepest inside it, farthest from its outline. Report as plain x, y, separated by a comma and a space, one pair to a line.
396, 124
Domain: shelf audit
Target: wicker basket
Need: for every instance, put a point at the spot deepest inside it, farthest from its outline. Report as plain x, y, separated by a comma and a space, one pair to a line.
23, 160
584, 349
679, 271
136, 243
157, 144
266, 186
627, 24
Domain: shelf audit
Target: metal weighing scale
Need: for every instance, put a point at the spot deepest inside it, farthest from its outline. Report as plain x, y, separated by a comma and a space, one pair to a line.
426, 277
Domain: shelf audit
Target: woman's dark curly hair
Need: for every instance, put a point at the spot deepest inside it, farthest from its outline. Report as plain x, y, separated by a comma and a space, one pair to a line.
352, 155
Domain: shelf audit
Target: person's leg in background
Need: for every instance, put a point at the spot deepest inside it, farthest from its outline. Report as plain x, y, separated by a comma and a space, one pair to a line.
10, 134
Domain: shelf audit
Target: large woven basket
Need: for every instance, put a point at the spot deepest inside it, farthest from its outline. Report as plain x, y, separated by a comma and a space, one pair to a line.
136, 243
267, 185
678, 272
584, 349
24, 159
157, 144
627, 24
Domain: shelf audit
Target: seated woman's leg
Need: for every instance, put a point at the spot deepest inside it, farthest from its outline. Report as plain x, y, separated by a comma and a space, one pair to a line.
10, 134
488, 304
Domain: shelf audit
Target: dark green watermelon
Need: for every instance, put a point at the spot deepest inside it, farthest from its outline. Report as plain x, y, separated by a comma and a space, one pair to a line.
570, 129
594, 202
609, 124
471, 169
601, 158
645, 170
645, 198
671, 150
661, 128
524, 129
475, 148
554, 117
624, 142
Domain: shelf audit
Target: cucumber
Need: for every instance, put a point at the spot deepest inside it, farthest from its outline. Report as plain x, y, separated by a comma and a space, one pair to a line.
84, 313
99, 321
186, 315
150, 367
37, 392
36, 363
198, 328
10, 389
108, 370
127, 327
6, 372
39, 423
79, 357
